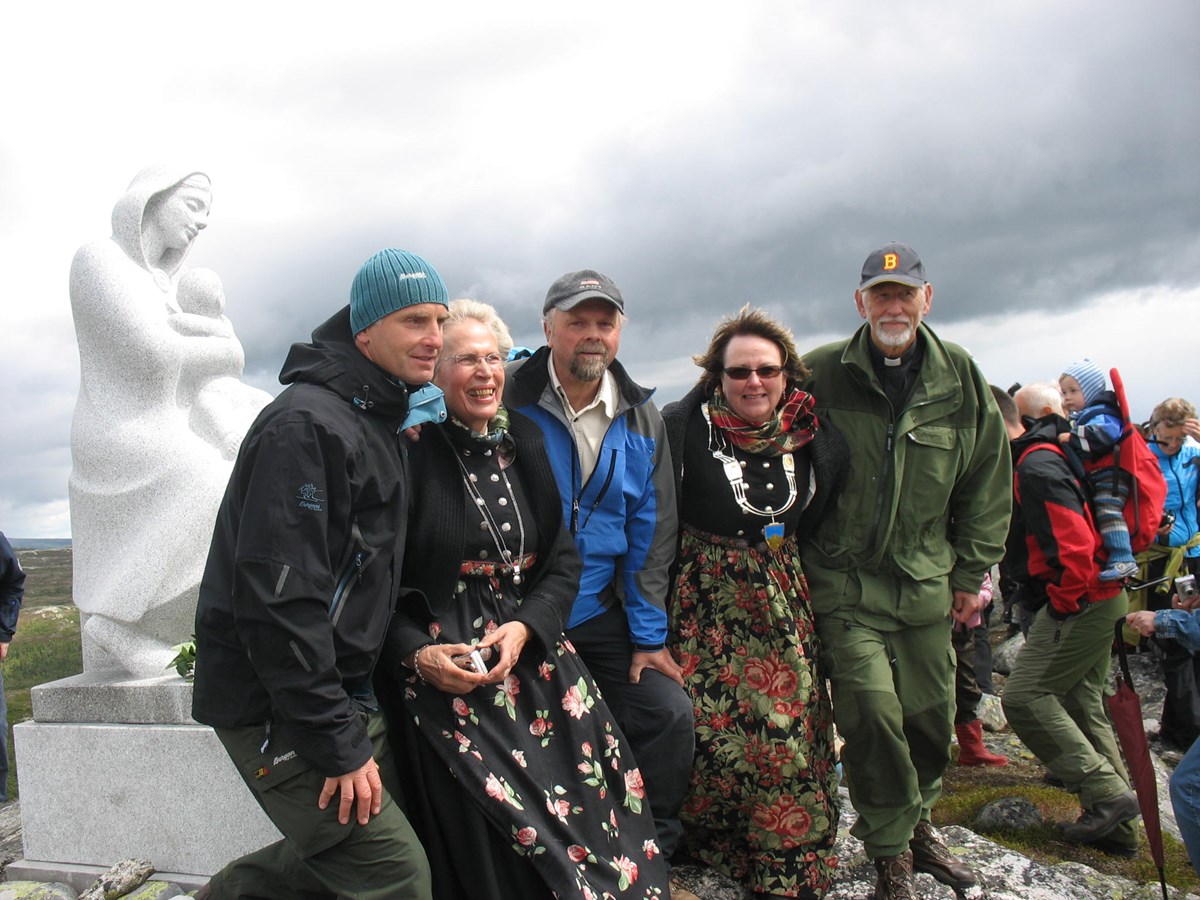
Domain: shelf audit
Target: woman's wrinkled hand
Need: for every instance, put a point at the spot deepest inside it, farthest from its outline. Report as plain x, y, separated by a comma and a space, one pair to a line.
438, 666
508, 640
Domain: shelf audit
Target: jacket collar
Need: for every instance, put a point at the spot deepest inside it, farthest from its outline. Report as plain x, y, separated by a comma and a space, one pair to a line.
530, 379
938, 389
333, 361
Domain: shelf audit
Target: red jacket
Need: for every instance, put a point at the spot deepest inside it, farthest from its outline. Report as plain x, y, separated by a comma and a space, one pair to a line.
1054, 548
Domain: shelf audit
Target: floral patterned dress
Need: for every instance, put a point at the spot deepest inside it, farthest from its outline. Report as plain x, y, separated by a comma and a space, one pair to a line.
762, 806
538, 756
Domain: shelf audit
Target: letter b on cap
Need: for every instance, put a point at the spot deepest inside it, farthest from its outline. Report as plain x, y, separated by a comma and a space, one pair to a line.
890, 261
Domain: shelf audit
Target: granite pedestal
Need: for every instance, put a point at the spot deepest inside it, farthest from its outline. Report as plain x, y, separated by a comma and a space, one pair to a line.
113, 767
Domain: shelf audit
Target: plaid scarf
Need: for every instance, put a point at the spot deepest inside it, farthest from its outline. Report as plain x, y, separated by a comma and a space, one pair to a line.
792, 426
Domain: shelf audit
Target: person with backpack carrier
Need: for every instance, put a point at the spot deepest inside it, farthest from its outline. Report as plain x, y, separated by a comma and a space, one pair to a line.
1054, 698
1096, 428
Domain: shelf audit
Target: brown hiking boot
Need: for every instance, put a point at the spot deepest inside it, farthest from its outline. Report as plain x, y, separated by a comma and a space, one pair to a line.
895, 881
932, 857
1099, 821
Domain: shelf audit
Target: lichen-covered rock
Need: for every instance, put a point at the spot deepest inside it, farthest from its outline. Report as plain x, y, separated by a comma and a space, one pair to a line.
35, 890
1008, 813
1004, 657
991, 713
123, 878
156, 890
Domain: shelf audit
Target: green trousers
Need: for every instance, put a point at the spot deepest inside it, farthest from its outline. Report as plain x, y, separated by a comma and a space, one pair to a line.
320, 858
1054, 701
893, 702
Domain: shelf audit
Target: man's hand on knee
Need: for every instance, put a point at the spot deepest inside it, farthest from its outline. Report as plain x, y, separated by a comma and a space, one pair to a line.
361, 785
660, 660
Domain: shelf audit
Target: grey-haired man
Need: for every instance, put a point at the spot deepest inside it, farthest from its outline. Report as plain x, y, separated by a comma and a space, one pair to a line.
608, 447
922, 518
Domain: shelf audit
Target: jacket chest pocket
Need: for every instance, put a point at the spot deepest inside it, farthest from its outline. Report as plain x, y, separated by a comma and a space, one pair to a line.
931, 453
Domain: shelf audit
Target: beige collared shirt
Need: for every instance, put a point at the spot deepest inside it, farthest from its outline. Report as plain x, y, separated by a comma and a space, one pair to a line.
590, 424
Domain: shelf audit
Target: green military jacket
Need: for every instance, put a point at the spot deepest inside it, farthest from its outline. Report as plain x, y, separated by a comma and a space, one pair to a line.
927, 500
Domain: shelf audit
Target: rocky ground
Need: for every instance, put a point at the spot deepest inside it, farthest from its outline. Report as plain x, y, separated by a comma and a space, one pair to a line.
1007, 874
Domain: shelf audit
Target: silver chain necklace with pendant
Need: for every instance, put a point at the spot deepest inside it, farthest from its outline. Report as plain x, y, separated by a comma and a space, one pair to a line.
490, 522
773, 530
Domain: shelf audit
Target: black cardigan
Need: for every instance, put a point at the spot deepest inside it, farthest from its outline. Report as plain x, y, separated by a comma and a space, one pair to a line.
437, 534
829, 451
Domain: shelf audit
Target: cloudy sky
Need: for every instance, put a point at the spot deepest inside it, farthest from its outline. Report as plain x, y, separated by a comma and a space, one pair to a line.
1042, 158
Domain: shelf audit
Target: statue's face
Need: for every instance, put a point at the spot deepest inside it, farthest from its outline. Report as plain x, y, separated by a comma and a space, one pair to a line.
180, 215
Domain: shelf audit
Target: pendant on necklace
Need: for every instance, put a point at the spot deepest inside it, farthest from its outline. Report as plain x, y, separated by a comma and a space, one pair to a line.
516, 574
773, 534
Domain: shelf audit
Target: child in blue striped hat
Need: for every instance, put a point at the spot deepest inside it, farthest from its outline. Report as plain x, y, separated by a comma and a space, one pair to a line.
1096, 425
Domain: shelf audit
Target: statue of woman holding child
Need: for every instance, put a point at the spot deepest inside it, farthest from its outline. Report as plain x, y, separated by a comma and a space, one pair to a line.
160, 414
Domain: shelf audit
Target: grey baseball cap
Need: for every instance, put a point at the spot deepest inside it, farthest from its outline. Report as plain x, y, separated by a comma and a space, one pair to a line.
575, 287
894, 262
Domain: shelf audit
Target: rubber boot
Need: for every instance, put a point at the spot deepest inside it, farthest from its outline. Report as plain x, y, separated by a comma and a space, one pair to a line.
971, 750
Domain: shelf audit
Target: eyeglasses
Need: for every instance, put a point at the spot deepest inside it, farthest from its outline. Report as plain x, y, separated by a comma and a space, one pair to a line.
741, 373
471, 361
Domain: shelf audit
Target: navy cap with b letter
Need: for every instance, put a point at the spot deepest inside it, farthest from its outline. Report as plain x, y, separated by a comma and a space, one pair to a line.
896, 262
391, 280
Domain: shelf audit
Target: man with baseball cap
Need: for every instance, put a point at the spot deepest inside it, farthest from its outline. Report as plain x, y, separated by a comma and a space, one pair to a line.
922, 518
608, 447
299, 588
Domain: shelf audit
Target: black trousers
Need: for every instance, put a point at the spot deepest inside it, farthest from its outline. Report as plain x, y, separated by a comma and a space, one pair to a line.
655, 714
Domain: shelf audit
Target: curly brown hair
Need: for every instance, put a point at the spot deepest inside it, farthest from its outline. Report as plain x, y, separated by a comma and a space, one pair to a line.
752, 321
1172, 412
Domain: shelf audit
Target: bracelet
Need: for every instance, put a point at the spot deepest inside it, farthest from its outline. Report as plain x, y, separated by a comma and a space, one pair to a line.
416, 663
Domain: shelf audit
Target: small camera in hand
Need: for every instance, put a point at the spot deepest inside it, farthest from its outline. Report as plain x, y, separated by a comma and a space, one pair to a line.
1185, 587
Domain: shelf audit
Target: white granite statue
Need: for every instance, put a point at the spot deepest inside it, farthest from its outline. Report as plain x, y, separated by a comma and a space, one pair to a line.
161, 412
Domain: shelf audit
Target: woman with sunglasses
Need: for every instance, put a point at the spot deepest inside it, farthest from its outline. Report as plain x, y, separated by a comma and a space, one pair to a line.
755, 469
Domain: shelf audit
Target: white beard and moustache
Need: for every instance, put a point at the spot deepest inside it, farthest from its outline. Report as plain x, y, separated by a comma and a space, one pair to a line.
893, 338
588, 369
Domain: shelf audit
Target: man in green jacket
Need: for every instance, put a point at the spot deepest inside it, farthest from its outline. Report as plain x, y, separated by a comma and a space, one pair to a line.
922, 518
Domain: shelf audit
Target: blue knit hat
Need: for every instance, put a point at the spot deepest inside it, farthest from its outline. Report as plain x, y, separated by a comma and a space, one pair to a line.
1090, 378
391, 280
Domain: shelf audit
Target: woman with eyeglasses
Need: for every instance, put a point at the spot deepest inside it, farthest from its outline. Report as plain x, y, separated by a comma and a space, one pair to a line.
755, 469
513, 773
1173, 433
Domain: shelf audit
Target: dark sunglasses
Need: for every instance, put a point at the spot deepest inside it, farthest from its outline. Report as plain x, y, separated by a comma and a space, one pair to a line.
741, 373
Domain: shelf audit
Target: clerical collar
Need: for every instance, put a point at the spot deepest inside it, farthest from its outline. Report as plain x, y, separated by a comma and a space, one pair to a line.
878, 359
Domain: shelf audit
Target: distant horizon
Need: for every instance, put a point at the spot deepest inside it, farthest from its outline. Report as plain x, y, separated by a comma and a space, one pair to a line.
39, 543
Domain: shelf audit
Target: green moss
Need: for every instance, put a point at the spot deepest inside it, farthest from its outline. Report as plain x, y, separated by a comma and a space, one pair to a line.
968, 790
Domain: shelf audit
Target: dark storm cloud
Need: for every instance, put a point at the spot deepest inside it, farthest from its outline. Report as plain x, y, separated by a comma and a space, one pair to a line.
1033, 164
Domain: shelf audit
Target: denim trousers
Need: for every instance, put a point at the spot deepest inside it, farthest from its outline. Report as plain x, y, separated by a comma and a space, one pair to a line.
1185, 801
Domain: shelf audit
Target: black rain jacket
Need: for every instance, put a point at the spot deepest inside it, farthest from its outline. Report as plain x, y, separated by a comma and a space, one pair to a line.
303, 572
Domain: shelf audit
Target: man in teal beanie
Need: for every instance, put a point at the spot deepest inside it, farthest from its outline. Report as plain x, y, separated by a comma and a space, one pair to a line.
316, 510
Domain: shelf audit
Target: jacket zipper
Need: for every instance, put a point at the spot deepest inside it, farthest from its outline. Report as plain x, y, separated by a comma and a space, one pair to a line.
351, 572
612, 466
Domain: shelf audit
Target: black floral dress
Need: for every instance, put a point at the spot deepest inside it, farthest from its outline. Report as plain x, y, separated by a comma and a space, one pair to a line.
538, 756
762, 806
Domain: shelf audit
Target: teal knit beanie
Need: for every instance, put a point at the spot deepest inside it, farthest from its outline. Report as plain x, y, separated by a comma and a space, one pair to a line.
1090, 378
391, 280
